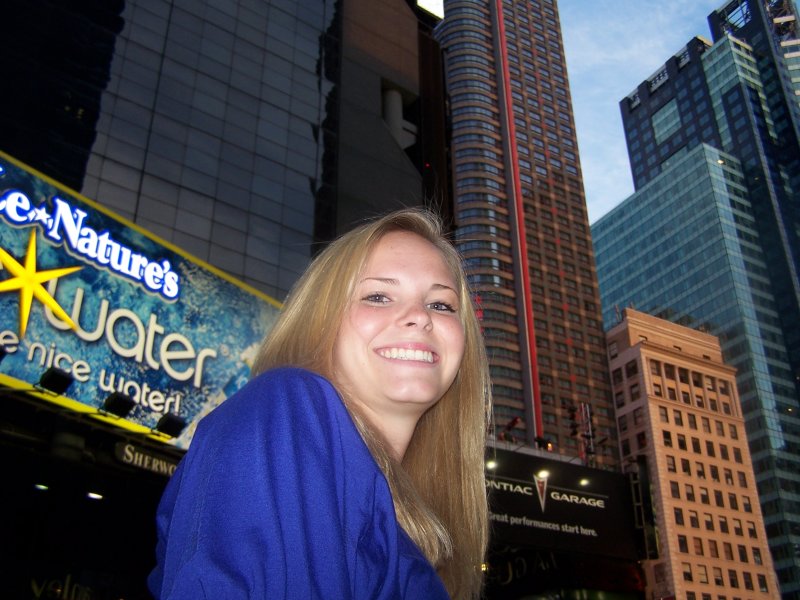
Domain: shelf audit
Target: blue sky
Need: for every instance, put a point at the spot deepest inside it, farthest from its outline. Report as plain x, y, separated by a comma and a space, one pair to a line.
611, 46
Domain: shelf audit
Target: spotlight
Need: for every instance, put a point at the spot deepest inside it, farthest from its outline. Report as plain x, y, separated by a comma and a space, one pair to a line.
170, 425
56, 380
118, 404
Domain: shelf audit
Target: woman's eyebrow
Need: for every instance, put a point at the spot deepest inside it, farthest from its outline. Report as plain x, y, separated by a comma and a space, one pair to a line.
388, 280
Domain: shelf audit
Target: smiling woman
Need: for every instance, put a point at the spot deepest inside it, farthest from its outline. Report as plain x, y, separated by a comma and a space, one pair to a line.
351, 466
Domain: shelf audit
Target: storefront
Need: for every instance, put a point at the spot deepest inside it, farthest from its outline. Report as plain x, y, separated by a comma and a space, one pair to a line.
113, 344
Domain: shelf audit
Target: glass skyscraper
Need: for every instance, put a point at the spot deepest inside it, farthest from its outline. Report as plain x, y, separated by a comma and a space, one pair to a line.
709, 238
246, 132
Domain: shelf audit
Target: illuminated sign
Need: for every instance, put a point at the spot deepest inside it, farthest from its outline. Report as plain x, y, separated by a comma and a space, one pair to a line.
549, 504
84, 290
434, 7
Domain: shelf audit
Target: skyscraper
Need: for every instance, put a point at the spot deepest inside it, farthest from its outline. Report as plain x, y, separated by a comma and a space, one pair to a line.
245, 132
709, 238
522, 223
677, 407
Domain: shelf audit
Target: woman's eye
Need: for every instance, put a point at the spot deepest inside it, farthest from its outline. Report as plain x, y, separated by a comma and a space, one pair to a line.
376, 298
442, 307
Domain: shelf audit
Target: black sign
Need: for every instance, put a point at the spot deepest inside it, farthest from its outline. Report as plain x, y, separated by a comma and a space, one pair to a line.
554, 505
133, 455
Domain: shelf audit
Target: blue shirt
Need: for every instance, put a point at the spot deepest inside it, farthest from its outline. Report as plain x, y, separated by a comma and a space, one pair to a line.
279, 497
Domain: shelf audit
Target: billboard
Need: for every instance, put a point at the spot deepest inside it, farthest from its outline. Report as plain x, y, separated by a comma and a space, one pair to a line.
559, 506
88, 292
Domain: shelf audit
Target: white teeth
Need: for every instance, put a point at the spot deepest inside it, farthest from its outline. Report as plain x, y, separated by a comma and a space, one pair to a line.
404, 354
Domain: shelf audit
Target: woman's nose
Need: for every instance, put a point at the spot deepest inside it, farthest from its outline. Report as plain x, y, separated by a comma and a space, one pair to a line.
417, 315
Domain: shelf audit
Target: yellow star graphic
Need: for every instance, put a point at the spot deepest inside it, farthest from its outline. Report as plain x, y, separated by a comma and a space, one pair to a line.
29, 283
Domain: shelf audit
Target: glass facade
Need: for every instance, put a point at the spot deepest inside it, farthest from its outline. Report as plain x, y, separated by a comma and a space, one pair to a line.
246, 132
710, 238
212, 122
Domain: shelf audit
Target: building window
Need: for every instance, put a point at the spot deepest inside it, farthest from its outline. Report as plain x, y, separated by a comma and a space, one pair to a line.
698, 546
686, 466
631, 369
666, 121
678, 417
702, 577
727, 551
717, 576
694, 521
681, 441
671, 464
733, 578
687, 571
742, 553
710, 448
709, 521
678, 516
701, 470
762, 583
712, 548
657, 390
723, 524
667, 436
751, 530
690, 492
663, 414
674, 489
737, 527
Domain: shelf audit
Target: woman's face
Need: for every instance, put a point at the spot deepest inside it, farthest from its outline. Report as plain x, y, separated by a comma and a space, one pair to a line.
401, 340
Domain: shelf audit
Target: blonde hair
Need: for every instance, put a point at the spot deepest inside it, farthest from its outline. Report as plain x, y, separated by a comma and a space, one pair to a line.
439, 488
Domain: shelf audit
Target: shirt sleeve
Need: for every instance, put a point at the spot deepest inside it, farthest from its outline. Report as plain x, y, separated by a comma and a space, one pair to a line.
278, 497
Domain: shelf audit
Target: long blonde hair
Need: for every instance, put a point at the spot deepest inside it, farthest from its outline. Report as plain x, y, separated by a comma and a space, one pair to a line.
439, 488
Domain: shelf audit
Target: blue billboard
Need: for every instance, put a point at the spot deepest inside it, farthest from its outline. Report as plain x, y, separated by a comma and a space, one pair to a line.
92, 294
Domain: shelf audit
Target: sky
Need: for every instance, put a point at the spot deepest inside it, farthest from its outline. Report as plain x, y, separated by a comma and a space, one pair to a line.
611, 46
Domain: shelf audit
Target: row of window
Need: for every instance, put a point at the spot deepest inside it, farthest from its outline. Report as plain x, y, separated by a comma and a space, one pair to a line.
719, 500
693, 521
697, 446
717, 575
700, 471
691, 422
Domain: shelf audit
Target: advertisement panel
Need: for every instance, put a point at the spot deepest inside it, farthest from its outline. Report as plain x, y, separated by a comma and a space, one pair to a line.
88, 292
559, 506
